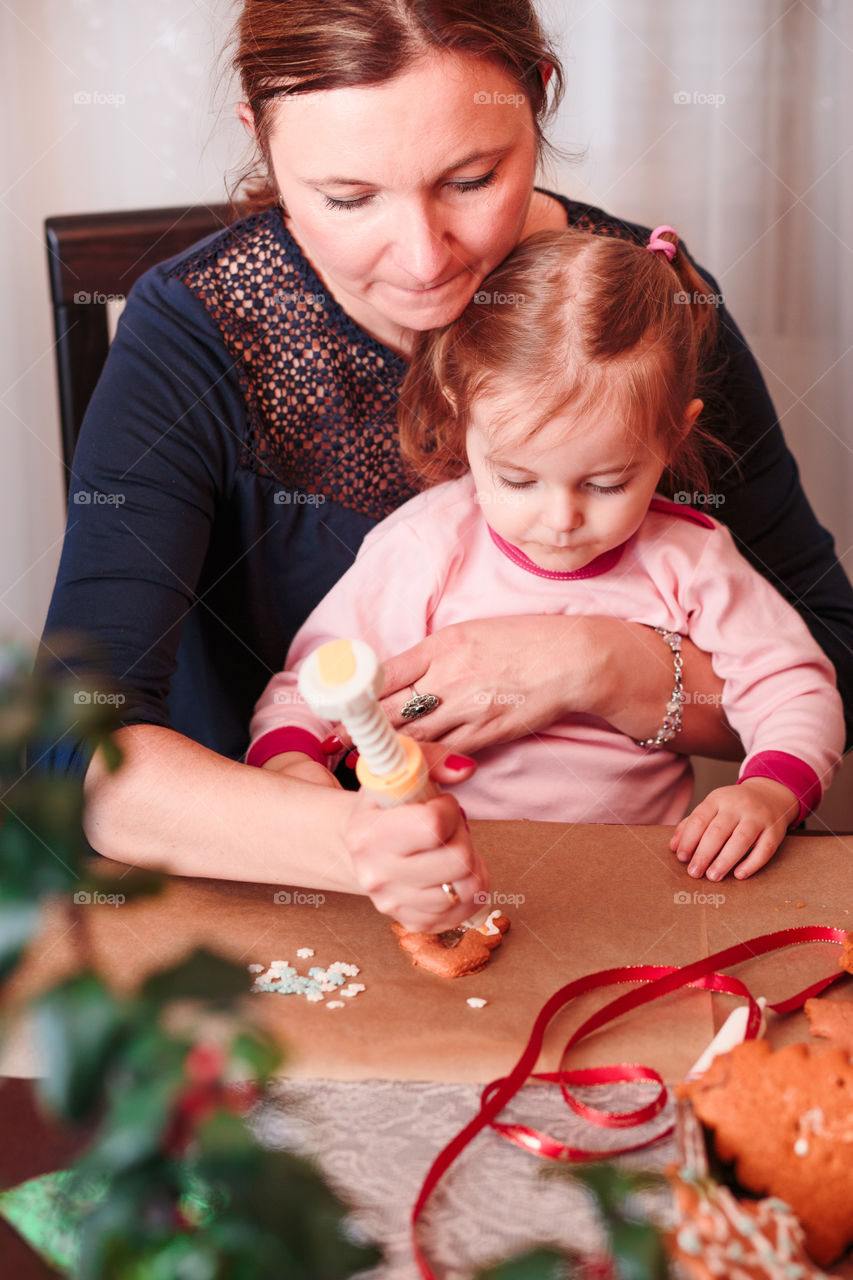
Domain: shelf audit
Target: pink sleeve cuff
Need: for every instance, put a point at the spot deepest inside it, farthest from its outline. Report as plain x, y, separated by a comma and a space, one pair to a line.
277, 741
792, 772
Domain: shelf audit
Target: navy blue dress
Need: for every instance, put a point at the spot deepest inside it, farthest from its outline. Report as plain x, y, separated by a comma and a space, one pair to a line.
242, 440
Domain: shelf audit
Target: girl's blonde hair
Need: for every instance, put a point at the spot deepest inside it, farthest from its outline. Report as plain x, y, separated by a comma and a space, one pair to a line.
283, 47
569, 319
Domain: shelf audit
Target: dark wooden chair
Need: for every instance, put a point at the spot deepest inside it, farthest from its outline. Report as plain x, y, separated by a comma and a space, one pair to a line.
94, 258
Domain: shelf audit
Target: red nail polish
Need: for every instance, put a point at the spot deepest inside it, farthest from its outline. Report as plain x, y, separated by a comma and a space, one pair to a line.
465, 819
459, 762
331, 744
351, 759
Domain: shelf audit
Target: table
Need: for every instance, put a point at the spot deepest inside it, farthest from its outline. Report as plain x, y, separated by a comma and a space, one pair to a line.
377, 1087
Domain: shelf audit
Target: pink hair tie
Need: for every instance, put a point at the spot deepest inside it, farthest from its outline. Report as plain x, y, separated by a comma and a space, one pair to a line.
656, 244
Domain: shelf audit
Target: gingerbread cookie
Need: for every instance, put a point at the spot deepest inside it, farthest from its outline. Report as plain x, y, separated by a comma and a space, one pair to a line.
718, 1235
832, 1020
786, 1119
846, 961
469, 955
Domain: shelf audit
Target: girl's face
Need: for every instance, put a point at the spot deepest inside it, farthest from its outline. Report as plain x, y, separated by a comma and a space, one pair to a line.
578, 487
404, 195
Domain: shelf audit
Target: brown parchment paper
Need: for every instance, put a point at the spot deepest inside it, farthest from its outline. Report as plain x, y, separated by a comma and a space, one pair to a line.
580, 899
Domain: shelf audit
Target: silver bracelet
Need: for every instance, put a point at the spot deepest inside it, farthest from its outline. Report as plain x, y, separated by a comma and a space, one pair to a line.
672, 720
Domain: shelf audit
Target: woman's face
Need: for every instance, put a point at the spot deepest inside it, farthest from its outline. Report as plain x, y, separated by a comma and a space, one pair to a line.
405, 195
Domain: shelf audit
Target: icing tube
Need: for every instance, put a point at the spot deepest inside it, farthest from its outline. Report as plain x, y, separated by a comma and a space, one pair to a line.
342, 681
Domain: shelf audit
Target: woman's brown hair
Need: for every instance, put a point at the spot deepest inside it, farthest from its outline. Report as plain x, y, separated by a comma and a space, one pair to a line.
565, 319
300, 46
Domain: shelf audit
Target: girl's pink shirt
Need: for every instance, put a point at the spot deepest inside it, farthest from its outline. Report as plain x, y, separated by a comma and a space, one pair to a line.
435, 562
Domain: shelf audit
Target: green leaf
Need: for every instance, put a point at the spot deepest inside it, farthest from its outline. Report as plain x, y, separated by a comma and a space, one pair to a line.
78, 1024
282, 1196
638, 1251
134, 1125
202, 976
261, 1054
539, 1264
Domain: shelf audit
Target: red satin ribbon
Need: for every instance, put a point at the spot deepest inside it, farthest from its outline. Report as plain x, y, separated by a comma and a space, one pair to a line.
659, 980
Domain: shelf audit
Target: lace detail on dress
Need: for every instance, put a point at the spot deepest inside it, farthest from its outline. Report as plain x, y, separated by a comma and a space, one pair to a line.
320, 393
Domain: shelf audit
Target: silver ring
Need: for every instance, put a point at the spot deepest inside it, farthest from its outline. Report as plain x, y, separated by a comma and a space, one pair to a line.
452, 895
420, 705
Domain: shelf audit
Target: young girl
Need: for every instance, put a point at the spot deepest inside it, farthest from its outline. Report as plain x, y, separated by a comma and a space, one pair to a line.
545, 418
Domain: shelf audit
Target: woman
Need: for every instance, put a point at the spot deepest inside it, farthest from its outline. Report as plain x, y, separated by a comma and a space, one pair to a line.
246, 416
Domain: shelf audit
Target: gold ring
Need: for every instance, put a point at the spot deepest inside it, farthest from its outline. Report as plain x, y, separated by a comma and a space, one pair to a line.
452, 895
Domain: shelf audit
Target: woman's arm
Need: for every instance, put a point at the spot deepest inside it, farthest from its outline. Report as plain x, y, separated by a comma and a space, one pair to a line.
502, 678
229, 821
760, 499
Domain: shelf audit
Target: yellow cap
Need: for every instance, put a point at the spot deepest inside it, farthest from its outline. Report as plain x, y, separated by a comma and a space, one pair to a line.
336, 662
403, 785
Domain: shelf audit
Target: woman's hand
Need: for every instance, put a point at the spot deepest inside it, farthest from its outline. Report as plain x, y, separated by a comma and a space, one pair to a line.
402, 856
498, 679
751, 819
501, 678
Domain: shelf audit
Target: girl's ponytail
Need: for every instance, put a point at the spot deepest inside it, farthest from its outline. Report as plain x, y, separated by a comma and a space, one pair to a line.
695, 291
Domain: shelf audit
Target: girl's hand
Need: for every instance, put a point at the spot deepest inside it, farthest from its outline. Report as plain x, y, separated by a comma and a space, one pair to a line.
751, 819
402, 856
295, 764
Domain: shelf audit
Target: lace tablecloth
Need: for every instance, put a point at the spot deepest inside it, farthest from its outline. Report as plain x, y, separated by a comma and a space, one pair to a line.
374, 1141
